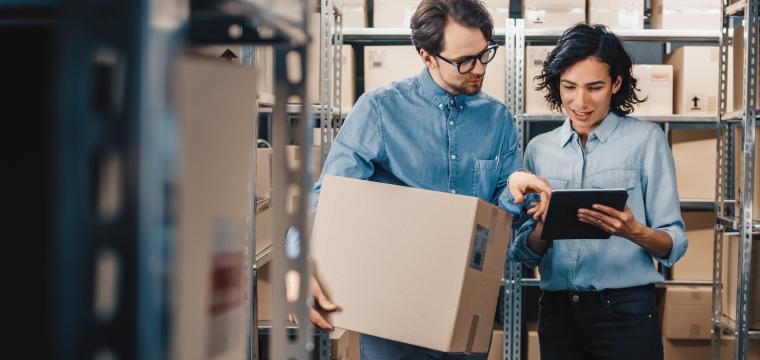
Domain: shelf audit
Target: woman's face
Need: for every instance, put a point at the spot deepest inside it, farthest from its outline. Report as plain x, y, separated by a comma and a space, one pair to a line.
586, 91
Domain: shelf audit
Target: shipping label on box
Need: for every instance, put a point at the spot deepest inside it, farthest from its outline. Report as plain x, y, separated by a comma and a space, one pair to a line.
655, 83
436, 260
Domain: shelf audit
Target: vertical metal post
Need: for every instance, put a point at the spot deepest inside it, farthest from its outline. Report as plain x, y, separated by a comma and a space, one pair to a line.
326, 76
290, 203
745, 249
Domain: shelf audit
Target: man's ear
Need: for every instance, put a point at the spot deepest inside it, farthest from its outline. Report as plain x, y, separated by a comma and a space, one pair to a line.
428, 59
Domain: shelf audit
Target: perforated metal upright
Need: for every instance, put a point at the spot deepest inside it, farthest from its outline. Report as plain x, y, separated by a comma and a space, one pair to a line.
748, 10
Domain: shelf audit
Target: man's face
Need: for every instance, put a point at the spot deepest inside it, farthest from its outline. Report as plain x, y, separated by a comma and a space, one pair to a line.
459, 42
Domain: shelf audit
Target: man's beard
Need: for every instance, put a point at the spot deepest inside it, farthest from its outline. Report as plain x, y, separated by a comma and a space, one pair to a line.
469, 88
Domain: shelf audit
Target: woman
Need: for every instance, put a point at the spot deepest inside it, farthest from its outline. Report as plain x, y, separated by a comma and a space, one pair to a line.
598, 297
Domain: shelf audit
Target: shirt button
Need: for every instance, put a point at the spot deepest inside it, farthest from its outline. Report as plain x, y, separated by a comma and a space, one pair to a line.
453, 157
440, 106
453, 191
576, 298
461, 107
451, 123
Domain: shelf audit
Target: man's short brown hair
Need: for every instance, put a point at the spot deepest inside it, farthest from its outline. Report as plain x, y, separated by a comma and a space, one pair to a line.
431, 17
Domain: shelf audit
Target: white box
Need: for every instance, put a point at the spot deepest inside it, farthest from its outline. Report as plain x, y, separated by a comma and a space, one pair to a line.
553, 14
656, 85
535, 102
695, 80
617, 14
686, 14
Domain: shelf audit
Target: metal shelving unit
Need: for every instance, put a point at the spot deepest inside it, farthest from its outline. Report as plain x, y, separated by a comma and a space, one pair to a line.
727, 220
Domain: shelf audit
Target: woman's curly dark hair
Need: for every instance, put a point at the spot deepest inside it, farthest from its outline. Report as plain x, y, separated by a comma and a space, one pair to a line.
579, 43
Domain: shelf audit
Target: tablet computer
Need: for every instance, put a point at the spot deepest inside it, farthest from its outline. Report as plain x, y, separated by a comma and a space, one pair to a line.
562, 217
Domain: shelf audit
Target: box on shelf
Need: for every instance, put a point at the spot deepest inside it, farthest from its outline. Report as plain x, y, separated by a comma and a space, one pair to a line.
685, 349
446, 253
694, 156
728, 348
695, 86
696, 263
497, 346
617, 14
687, 313
398, 13
534, 350
217, 115
354, 13
686, 14
656, 85
535, 103
739, 71
386, 64
553, 14
739, 178
731, 246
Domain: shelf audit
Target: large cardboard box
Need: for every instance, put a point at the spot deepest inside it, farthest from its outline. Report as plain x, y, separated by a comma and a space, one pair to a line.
386, 64
686, 14
696, 264
398, 13
739, 178
217, 117
694, 155
553, 14
497, 346
354, 13
656, 85
728, 348
434, 259
687, 313
617, 14
695, 87
344, 345
731, 246
534, 350
686, 349
535, 103
739, 71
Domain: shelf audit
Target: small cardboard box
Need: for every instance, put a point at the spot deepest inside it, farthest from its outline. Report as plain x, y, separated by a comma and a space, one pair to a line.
553, 14
656, 85
695, 74
687, 313
686, 14
617, 14
694, 156
696, 264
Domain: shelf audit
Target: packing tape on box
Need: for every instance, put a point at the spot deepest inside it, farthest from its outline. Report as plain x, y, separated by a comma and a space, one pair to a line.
471, 335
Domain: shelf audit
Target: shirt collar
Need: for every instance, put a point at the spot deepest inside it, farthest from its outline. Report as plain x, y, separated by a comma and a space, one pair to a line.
601, 133
440, 97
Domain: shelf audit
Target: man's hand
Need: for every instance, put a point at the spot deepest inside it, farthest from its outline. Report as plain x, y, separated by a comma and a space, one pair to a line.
521, 182
321, 304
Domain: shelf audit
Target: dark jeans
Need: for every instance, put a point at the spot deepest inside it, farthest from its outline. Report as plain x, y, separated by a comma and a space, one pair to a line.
609, 324
375, 348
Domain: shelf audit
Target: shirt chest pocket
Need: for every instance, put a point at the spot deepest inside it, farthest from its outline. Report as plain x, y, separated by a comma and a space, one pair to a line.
485, 179
615, 179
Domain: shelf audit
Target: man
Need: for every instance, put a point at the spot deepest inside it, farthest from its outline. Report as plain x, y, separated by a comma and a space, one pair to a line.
434, 131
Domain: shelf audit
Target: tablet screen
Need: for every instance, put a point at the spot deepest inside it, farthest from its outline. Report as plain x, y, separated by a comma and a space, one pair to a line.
562, 217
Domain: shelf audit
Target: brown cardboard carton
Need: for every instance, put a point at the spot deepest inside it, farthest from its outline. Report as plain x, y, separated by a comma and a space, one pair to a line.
696, 264
213, 207
398, 13
535, 103
263, 173
739, 71
686, 349
497, 346
617, 14
434, 259
656, 85
354, 13
386, 64
695, 86
687, 313
264, 293
686, 14
694, 155
731, 248
553, 14
534, 350
739, 178
728, 348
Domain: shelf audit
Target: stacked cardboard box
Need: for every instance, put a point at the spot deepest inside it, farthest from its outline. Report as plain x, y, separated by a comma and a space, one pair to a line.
398, 13
696, 264
617, 14
739, 71
535, 103
216, 114
687, 313
739, 178
686, 14
497, 346
731, 246
695, 70
694, 155
534, 350
446, 254
553, 14
386, 64
656, 85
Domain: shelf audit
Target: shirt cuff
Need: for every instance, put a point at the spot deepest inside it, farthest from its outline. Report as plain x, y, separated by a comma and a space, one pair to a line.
519, 251
678, 248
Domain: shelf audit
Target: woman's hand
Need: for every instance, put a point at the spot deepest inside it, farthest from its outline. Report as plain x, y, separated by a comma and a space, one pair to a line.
620, 223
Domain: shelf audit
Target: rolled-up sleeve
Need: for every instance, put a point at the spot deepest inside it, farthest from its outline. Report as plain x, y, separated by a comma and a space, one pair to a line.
357, 147
523, 226
663, 208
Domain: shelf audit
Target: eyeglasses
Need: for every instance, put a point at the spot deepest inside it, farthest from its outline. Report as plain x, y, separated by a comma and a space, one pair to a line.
467, 64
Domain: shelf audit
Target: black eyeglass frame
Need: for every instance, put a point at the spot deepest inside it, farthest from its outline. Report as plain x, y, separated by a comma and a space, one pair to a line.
471, 59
